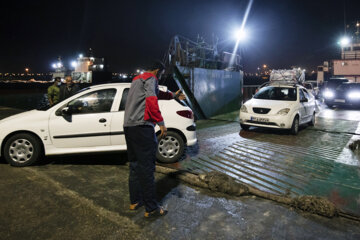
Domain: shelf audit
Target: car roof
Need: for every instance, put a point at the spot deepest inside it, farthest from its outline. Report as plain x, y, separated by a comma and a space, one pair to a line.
110, 85
283, 85
126, 85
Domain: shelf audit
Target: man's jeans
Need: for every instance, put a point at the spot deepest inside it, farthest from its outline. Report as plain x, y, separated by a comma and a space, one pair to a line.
141, 150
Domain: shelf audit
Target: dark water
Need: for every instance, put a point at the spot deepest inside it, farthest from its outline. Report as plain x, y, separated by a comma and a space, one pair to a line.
25, 99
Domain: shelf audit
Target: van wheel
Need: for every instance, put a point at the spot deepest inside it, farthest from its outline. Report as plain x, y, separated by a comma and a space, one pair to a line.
295, 126
312, 122
170, 148
22, 150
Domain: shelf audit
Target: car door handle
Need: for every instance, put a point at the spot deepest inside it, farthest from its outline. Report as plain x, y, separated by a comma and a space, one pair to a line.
102, 120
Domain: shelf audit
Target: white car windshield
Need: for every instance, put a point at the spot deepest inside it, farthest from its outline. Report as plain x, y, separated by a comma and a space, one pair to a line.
277, 93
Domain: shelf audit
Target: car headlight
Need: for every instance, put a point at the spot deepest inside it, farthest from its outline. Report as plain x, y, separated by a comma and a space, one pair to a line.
354, 95
283, 111
329, 94
243, 109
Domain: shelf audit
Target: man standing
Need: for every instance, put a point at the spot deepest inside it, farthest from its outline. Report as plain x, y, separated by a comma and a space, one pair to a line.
68, 89
141, 114
54, 92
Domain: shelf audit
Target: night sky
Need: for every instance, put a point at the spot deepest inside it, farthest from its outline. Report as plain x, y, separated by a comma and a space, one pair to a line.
130, 34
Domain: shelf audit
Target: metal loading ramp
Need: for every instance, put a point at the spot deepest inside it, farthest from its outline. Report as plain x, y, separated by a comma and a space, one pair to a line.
293, 165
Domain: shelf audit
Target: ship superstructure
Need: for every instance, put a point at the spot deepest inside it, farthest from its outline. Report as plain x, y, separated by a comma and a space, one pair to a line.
348, 66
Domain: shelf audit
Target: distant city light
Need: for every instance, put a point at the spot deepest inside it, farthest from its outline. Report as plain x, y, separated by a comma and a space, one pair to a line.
73, 64
26, 69
138, 70
101, 66
59, 65
264, 66
81, 56
344, 41
54, 65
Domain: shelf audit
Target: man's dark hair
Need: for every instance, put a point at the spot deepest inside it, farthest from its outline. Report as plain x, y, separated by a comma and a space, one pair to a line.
157, 65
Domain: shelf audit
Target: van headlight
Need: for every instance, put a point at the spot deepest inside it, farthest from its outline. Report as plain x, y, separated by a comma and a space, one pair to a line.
354, 95
243, 109
329, 94
283, 111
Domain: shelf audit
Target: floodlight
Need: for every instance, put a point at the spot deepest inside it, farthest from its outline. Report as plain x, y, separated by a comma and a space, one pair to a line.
344, 41
240, 35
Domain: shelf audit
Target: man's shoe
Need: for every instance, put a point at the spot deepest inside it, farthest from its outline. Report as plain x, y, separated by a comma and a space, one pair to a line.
136, 206
156, 213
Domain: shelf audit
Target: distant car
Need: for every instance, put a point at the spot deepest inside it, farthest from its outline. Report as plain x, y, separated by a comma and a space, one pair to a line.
331, 84
345, 94
90, 121
279, 106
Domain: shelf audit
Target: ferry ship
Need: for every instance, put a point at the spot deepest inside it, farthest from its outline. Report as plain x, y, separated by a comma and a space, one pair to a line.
348, 66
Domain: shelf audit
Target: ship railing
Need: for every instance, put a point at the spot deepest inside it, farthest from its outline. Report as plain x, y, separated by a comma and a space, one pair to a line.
350, 56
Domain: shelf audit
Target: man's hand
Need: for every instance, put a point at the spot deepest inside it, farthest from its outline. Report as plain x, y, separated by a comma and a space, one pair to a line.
163, 131
179, 95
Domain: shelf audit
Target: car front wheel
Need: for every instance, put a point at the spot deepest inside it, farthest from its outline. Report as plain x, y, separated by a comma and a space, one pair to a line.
295, 126
170, 148
22, 150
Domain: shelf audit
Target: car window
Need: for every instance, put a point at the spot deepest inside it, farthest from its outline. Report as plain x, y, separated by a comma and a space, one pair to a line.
342, 87
277, 93
93, 102
123, 99
302, 96
306, 93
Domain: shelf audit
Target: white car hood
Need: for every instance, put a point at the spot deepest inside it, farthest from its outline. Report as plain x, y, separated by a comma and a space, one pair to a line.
24, 115
275, 105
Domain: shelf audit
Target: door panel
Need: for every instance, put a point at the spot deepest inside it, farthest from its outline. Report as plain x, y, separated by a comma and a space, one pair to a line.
117, 128
86, 123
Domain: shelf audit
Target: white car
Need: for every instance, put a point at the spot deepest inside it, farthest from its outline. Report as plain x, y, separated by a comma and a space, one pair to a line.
279, 106
89, 121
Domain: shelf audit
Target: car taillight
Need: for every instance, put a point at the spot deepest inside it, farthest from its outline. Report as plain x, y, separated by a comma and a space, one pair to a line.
186, 113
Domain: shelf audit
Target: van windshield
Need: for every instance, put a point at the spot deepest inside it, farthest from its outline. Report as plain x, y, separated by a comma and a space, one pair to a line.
277, 93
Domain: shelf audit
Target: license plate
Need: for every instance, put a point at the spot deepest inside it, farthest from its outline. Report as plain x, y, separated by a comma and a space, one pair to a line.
340, 100
256, 119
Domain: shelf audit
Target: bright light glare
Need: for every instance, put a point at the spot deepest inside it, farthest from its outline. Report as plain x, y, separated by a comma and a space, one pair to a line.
54, 65
240, 35
73, 63
80, 55
59, 65
344, 41
329, 94
354, 95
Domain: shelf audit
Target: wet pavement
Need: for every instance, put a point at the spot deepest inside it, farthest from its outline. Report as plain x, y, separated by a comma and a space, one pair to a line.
316, 162
86, 197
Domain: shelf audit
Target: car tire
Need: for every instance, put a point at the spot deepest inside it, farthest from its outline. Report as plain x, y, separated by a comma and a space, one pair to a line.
22, 150
312, 121
244, 127
295, 126
171, 148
